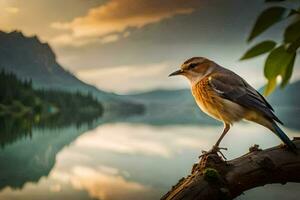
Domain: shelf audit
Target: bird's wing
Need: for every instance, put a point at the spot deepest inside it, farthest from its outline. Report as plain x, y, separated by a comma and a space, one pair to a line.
232, 87
253, 91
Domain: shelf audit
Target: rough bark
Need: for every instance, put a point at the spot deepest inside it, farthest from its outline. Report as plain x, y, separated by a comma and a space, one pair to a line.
213, 178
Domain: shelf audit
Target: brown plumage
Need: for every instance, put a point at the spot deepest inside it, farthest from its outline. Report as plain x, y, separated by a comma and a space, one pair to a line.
227, 97
213, 104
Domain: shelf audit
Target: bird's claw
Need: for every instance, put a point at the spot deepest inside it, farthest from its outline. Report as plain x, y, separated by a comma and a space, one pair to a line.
214, 150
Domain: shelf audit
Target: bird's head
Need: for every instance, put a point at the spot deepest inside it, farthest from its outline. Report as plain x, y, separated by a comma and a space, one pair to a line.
195, 68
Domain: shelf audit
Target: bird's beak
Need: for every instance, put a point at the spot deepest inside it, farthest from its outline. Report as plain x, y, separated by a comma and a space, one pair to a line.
178, 72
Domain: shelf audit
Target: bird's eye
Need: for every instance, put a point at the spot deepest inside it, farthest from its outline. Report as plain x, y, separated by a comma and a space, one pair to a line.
193, 65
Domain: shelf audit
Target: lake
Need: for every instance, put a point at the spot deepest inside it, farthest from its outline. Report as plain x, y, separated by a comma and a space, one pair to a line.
121, 161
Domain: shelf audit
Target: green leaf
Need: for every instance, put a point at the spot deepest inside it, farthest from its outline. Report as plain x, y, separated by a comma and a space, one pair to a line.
259, 49
294, 12
270, 87
266, 19
286, 73
293, 47
277, 60
292, 32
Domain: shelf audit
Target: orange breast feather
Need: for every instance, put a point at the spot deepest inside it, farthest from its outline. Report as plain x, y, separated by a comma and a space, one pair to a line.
215, 106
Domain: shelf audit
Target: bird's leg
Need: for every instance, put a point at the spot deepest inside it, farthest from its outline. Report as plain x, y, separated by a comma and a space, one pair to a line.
225, 130
216, 149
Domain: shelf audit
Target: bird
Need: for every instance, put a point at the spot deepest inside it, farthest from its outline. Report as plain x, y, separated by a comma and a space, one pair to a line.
227, 97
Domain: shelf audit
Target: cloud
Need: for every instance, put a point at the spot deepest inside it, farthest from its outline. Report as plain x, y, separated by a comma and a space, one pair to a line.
115, 16
110, 38
12, 10
101, 184
126, 143
132, 75
133, 139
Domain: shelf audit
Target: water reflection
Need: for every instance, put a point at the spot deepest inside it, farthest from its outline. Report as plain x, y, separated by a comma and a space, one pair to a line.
29, 156
118, 161
13, 128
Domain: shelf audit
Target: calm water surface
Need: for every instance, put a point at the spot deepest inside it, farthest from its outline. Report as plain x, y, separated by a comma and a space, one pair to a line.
120, 161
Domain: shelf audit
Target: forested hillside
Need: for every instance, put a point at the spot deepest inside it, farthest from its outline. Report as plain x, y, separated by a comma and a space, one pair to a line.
18, 98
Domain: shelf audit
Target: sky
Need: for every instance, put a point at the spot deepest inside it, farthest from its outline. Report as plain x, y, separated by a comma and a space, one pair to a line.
128, 46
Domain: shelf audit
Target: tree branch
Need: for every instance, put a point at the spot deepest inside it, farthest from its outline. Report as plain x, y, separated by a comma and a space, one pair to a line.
215, 179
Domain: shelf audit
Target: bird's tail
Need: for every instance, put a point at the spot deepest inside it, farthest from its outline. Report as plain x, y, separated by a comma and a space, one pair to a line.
283, 137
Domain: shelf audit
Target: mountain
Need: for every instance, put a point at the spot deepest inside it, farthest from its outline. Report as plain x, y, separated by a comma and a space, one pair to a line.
29, 58
178, 106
